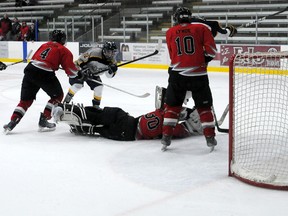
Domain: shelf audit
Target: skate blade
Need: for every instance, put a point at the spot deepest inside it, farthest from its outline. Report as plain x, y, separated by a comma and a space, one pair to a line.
212, 148
6, 131
45, 129
164, 148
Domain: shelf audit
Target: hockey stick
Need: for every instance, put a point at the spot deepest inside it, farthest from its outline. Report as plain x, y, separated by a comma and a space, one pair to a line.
126, 92
222, 130
25, 59
125, 63
220, 121
261, 19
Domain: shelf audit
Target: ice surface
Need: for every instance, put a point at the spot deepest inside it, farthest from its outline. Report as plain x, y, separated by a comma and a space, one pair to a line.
60, 174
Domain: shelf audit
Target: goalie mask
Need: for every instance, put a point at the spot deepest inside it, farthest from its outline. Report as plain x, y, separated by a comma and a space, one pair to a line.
109, 50
182, 15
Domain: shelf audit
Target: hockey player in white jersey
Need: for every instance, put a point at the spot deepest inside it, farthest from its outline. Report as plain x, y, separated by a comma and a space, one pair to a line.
96, 60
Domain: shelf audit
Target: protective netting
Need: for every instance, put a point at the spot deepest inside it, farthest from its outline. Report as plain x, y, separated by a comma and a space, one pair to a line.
260, 118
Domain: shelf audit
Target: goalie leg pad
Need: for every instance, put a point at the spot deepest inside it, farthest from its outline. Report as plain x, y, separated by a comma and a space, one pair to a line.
193, 123
70, 114
159, 97
83, 129
71, 118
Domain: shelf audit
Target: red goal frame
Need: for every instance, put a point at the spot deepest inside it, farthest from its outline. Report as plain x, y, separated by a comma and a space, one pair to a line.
231, 134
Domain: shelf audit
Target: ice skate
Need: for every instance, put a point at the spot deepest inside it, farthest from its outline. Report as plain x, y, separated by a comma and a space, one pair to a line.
57, 114
44, 125
68, 98
166, 141
96, 104
9, 127
211, 142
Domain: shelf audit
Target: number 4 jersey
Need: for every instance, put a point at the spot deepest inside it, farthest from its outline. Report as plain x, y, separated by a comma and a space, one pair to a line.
51, 55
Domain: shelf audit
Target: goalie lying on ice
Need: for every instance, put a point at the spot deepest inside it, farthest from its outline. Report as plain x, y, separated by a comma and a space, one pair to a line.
114, 123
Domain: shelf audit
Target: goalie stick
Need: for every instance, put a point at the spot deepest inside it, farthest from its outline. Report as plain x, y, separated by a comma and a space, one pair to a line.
222, 130
261, 19
220, 121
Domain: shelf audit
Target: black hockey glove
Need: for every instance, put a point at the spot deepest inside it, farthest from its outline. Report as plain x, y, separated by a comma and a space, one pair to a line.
232, 30
112, 70
2, 66
84, 75
208, 59
215, 27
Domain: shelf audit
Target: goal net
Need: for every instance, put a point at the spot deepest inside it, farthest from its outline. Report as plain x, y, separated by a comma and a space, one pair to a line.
258, 138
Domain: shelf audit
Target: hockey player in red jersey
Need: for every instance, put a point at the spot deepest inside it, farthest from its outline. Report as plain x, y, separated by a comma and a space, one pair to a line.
114, 123
40, 74
191, 46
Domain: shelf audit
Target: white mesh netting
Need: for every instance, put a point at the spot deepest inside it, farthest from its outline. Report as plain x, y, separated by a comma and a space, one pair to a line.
260, 118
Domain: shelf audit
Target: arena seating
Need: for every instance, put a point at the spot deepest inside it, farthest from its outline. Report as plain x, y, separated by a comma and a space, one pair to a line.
239, 12
148, 16
102, 5
130, 30
242, 12
167, 9
41, 2
77, 17
137, 22
240, 1
153, 17
33, 7
89, 11
7, 4
168, 2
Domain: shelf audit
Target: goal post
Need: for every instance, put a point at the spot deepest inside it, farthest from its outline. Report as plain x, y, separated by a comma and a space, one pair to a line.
258, 119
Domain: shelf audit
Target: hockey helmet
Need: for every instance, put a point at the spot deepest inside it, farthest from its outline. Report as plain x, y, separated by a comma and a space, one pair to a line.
182, 15
58, 36
109, 49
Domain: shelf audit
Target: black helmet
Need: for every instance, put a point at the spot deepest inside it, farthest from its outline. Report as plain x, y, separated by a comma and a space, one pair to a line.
58, 36
109, 49
182, 15
110, 45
